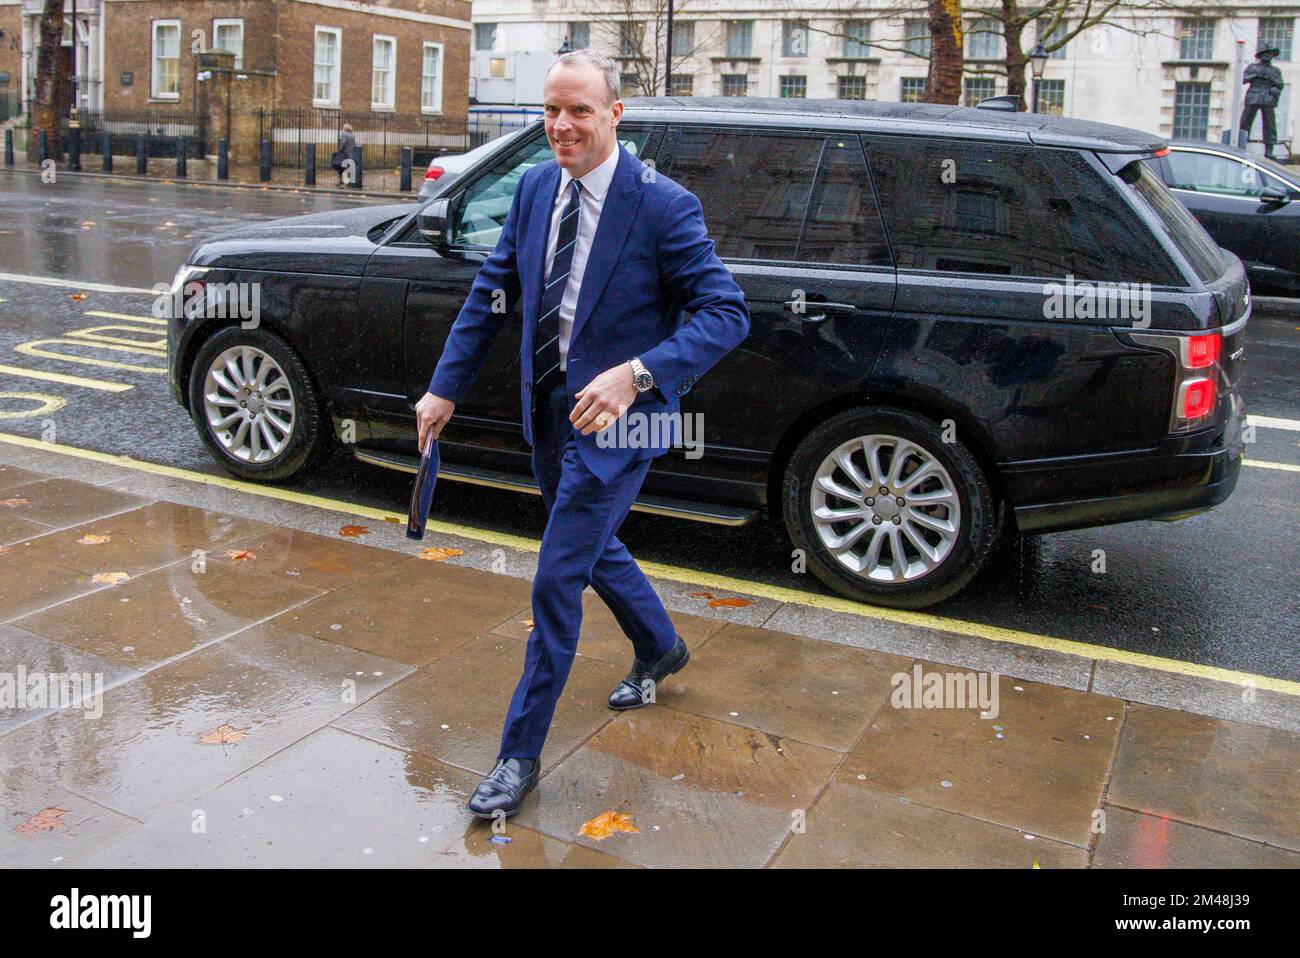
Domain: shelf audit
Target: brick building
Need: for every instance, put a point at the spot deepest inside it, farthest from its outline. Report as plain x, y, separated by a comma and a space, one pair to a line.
401, 56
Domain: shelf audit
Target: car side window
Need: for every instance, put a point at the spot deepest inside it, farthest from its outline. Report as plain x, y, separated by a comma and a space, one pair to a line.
482, 210
843, 225
969, 207
1220, 175
754, 187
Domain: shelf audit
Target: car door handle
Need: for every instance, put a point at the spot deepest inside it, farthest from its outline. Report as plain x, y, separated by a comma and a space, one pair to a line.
811, 311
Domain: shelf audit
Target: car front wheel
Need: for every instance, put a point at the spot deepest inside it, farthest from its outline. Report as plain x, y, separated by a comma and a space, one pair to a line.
255, 406
888, 508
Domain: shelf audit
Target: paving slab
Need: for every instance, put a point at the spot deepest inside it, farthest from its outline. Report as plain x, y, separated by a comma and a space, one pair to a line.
1139, 840
63, 502
45, 826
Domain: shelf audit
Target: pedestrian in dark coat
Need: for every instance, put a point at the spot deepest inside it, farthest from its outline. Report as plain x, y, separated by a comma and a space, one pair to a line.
347, 151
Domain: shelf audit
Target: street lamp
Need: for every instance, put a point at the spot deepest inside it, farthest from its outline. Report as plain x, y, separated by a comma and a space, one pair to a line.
1037, 62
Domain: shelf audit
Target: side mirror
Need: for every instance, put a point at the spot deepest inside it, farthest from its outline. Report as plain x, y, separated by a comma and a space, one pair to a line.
434, 224
1274, 196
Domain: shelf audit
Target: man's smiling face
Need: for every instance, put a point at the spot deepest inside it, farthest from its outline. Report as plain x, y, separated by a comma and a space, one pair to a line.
581, 117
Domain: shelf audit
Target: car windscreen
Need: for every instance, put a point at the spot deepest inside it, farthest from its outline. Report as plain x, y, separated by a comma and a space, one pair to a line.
1181, 227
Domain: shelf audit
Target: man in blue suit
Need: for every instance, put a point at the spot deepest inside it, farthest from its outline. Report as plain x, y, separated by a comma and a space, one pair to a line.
604, 256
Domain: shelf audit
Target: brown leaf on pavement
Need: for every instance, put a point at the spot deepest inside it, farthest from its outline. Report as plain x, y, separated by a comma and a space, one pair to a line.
15, 501
732, 603
353, 532
606, 824
111, 578
239, 555
78, 297
440, 553
93, 539
223, 735
46, 820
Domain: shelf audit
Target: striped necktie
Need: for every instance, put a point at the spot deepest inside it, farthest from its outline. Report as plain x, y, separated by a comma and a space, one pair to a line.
546, 355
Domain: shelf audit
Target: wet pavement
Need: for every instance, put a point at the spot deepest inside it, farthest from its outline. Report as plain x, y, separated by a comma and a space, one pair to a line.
284, 685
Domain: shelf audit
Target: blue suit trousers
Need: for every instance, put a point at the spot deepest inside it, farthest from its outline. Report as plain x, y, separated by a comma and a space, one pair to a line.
579, 547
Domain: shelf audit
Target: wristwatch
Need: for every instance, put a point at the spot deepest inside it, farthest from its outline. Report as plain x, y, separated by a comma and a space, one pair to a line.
641, 377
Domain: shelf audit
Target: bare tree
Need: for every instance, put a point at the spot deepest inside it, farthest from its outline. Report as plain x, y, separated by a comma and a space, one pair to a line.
637, 32
45, 103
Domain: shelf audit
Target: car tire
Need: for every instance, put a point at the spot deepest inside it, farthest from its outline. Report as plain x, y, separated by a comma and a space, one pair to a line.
284, 396
874, 552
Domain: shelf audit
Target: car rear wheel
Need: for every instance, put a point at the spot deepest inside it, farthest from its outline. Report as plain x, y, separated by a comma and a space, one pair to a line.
255, 406
888, 511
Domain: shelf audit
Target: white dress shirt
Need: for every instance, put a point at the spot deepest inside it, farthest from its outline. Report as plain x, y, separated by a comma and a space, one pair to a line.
594, 187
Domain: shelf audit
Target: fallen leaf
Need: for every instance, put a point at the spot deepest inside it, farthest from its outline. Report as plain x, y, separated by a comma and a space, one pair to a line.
732, 603
112, 578
353, 532
46, 820
440, 553
528, 623
239, 555
606, 824
78, 297
92, 539
11, 503
4, 550
223, 735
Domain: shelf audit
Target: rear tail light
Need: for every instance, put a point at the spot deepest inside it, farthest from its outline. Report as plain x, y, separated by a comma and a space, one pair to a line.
433, 172
1196, 378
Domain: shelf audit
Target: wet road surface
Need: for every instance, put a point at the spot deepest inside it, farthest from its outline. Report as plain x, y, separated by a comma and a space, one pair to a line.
1218, 589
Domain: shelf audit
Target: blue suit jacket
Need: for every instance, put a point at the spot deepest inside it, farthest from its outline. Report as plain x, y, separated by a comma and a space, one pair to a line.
651, 260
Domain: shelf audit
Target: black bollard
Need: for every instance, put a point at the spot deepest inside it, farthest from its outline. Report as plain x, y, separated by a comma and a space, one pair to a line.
9, 147
43, 147
309, 165
74, 148
106, 147
223, 159
180, 157
141, 156
405, 184
264, 166
357, 157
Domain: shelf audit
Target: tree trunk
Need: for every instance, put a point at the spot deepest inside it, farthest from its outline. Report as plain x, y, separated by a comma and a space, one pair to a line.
943, 83
1015, 61
45, 104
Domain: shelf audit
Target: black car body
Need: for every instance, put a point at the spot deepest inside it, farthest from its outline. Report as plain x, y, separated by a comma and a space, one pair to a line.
1250, 205
920, 375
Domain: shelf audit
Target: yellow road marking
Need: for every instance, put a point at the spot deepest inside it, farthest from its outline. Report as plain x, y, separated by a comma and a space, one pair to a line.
67, 380
30, 348
105, 314
72, 284
672, 573
1260, 464
95, 334
48, 403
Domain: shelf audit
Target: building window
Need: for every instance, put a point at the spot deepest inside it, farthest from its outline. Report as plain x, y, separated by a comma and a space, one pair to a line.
983, 39
794, 38
229, 35
735, 84
683, 38
579, 35
852, 88
1191, 111
1276, 32
630, 36
328, 41
911, 89
683, 84
916, 37
978, 88
1051, 97
1048, 38
166, 60
485, 36
794, 86
629, 84
857, 38
383, 67
497, 68
1196, 39
740, 38
431, 79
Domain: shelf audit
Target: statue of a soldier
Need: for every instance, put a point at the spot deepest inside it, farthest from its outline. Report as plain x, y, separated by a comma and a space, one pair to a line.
1265, 87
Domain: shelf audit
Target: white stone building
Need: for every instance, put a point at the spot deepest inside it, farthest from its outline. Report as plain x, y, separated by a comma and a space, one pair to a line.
1172, 71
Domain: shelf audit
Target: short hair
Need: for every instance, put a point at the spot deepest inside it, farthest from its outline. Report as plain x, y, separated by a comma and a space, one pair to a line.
347, 127
592, 58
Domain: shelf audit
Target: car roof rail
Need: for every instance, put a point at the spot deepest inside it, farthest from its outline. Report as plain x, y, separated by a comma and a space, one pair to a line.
1009, 104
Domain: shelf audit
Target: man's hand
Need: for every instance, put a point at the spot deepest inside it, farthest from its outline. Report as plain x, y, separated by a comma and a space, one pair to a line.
603, 400
431, 414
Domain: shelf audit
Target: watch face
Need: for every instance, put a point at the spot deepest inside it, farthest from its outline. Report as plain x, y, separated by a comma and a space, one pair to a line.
643, 381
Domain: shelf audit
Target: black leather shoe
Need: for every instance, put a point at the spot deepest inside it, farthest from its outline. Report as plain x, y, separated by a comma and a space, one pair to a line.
630, 695
503, 789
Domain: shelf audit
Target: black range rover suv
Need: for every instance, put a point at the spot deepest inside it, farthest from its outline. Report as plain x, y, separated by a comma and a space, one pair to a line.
965, 323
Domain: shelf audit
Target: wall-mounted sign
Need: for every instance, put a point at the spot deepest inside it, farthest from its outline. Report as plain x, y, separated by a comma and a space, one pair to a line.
128, 79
